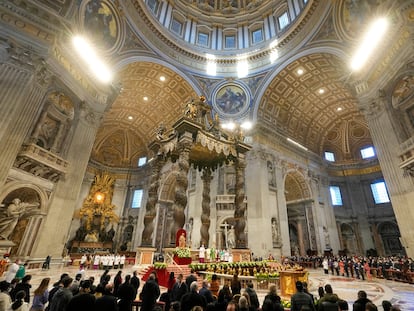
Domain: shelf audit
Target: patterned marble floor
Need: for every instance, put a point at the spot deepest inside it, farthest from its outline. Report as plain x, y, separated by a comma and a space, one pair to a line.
400, 294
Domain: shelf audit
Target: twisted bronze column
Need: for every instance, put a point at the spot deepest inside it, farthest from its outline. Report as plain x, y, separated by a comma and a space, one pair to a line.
205, 204
150, 210
239, 206
181, 185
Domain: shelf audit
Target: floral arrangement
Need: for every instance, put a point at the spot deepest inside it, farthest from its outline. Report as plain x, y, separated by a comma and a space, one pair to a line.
182, 252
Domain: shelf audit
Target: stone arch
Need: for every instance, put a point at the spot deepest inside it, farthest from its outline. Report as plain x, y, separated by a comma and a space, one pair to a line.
349, 239
26, 230
390, 236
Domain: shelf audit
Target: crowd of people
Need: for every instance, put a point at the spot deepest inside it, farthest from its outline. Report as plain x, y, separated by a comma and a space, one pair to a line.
119, 292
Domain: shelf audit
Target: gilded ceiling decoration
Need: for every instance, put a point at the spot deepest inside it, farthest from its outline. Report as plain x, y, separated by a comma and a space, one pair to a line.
312, 107
143, 104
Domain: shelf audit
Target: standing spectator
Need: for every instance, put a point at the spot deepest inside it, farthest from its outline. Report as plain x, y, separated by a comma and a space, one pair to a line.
224, 298
386, 305
84, 300
254, 300
11, 272
325, 265
5, 299
329, 301
41, 296
171, 283
135, 283
126, 294
150, 293
301, 299
370, 307
206, 293
117, 282
343, 305
190, 279
272, 301
19, 304
62, 297
179, 289
235, 285
107, 302
305, 290
56, 287
122, 261
21, 272
25, 286
214, 285
359, 304
192, 299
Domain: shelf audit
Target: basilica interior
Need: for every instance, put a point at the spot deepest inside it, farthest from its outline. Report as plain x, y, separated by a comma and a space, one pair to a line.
123, 121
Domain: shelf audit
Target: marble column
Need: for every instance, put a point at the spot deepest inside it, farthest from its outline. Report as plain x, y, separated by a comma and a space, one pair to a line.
63, 202
282, 208
205, 206
301, 237
181, 184
23, 84
150, 207
377, 239
239, 205
30, 235
387, 144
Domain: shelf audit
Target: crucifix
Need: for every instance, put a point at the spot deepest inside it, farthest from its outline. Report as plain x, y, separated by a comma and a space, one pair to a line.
225, 226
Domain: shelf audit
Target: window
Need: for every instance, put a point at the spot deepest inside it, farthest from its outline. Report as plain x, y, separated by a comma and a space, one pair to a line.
176, 26
257, 36
230, 42
153, 5
283, 20
379, 191
202, 39
142, 161
335, 195
137, 198
368, 152
330, 156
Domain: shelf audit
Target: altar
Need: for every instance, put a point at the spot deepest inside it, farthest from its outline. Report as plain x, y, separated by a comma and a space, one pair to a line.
288, 279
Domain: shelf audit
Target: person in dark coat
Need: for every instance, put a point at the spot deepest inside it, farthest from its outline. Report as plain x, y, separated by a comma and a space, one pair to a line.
254, 300
359, 304
329, 301
84, 300
179, 289
135, 282
62, 297
235, 285
107, 302
272, 302
301, 299
150, 293
126, 295
204, 291
190, 279
192, 299
117, 282
25, 286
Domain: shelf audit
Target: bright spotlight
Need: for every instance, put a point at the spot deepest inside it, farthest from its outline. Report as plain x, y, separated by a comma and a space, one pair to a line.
370, 41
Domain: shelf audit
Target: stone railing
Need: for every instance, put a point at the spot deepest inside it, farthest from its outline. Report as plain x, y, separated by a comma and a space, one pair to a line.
41, 162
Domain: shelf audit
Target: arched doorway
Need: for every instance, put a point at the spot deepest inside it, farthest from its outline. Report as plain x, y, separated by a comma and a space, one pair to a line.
390, 236
349, 240
302, 234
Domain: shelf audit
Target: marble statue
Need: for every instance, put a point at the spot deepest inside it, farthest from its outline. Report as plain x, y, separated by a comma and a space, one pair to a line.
231, 239
11, 215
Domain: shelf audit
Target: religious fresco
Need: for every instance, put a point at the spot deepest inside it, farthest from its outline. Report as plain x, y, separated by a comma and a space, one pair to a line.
99, 20
231, 99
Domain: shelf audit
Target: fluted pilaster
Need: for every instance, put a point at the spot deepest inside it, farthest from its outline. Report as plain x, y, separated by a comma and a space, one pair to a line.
205, 204
63, 202
22, 89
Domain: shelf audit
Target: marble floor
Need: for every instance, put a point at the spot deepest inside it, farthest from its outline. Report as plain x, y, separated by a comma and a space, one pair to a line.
400, 294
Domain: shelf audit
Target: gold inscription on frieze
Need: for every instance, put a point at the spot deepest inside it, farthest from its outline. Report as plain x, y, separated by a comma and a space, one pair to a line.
27, 27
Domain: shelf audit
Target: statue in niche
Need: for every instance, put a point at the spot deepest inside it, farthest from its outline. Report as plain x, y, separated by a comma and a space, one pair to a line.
11, 215
275, 231
271, 174
231, 238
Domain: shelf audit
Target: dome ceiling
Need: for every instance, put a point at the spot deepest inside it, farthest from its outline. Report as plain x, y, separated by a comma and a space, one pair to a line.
292, 104
131, 123
315, 108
